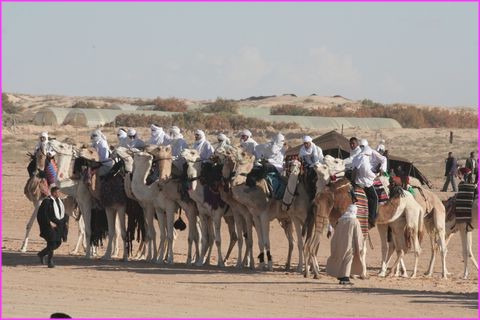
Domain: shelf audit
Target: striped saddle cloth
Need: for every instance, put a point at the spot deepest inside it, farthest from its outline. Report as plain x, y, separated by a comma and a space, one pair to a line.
362, 209
464, 201
380, 190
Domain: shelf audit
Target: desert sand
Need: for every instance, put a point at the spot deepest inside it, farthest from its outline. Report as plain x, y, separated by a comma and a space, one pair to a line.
97, 288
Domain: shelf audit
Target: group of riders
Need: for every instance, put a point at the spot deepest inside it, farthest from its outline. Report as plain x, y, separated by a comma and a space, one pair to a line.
362, 167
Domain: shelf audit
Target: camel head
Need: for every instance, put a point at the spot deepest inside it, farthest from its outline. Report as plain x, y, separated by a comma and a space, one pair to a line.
126, 155
294, 167
40, 158
335, 165
159, 152
192, 157
143, 162
323, 176
88, 153
63, 156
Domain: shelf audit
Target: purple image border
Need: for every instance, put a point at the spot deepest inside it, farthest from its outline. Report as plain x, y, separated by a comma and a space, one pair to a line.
219, 1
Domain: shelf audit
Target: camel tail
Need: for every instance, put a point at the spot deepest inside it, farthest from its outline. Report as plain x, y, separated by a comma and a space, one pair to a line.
421, 227
309, 222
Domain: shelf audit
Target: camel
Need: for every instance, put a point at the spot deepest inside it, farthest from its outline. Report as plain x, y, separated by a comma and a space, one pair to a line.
434, 221
333, 200
151, 196
36, 190
111, 196
465, 230
207, 213
262, 209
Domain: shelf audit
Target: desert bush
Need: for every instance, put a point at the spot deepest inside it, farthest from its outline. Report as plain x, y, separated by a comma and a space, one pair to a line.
290, 109
407, 116
169, 104
141, 102
84, 105
8, 106
197, 119
221, 106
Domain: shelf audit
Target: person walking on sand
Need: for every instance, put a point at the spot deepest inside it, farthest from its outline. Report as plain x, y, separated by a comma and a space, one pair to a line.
345, 246
53, 225
450, 171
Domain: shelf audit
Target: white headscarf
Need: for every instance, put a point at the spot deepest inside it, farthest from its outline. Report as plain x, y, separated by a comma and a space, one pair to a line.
44, 134
175, 133
201, 134
156, 131
246, 132
96, 136
307, 139
121, 134
131, 132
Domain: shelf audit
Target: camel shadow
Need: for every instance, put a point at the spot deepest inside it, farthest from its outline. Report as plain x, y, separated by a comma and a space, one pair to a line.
464, 300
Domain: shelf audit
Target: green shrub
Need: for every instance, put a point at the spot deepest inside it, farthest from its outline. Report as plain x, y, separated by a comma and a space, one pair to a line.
84, 105
221, 106
169, 104
8, 106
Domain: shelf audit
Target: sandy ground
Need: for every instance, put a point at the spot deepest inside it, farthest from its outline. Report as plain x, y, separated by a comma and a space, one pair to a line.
97, 288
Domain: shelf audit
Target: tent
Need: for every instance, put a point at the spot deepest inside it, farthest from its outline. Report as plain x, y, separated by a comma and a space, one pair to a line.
50, 116
337, 145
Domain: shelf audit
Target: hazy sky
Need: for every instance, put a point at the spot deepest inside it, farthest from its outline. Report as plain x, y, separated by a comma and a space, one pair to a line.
389, 52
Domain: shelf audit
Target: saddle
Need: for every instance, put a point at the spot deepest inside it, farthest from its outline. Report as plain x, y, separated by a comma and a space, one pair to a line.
467, 192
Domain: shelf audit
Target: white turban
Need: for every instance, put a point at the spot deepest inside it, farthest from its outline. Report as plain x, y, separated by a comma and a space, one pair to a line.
132, 132
122, 134
382, 141
96, 135
246, 133
155, 128
222, 137
44, 134
175, 132
363, 142
278, 138
200, 133
307, 139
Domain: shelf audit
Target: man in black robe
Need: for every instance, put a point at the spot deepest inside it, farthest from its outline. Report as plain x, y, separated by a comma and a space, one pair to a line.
53, 225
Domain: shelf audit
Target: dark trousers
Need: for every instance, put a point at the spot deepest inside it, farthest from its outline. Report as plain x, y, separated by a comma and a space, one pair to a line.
48, 251
372, 203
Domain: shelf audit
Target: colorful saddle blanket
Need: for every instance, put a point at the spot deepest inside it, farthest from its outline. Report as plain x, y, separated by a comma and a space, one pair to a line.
381, 192
464, 201
362, 209
276, 184
51, 171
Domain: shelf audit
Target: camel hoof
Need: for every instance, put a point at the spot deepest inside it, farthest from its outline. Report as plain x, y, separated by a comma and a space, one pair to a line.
364, 277
413, 276
106, 258
23, 249
428, 274
299, 269
465, 277
315, 276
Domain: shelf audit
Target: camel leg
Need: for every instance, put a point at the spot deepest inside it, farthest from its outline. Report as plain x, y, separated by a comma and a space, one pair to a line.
466, 249
123, 231
210, 240
192, 234
261, 247
429, 272
239, 227
217, 219
382, 230
363, 258
86, 209
308, 256
287, 228
170, 232
204, 245
111, 232
440, 228
298, 229
265, 223
315, 265
249, 251
29, 226
81, 236
159, 259
116, 248
150, 234
230, 220
469, 246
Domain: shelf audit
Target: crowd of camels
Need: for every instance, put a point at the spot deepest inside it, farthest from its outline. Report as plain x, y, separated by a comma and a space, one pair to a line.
407, 215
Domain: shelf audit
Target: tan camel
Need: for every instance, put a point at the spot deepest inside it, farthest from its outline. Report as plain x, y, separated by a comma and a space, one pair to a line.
434, 221
208, 215
36, 189
332, 202
151, 197
261, 207
111, 196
